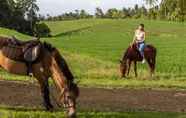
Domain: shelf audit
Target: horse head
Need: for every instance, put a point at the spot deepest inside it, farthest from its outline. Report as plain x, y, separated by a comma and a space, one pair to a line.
128, 55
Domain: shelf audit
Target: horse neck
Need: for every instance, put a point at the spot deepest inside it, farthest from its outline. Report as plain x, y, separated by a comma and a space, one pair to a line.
126, 54
57, 75
63, 66
60, 71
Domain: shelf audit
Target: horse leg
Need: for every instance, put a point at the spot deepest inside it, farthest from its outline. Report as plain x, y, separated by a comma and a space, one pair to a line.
129, 65
151, 66
135, 68
46, 94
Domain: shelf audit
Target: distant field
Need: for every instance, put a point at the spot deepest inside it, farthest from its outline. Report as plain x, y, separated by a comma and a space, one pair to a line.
93, 49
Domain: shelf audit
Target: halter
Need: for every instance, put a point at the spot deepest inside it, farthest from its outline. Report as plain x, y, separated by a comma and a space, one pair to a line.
65, 99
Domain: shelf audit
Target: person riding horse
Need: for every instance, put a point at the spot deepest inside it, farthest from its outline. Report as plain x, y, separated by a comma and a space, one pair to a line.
138, 51
139, 39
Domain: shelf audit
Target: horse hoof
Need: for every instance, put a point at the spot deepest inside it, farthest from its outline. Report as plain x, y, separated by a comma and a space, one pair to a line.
49, 108
73, 115
123, 77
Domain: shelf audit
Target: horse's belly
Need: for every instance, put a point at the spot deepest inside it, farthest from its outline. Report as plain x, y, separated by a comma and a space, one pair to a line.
12, 66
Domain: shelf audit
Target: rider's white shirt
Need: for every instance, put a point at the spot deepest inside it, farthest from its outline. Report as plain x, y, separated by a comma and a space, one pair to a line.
140, 36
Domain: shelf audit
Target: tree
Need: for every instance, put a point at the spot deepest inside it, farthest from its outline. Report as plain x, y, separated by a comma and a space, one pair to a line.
143, 11
5, 12
151, 2
83, 14
99, 13
125, 13
113, 13
19, 14
169, 9
42, 30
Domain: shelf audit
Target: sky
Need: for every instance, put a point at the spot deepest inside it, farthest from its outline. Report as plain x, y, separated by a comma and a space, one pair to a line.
57, 7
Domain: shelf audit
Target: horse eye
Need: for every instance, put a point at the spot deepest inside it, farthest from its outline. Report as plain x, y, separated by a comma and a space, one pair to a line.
68, 97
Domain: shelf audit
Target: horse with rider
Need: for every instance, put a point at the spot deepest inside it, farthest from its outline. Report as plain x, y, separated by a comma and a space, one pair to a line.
138, 51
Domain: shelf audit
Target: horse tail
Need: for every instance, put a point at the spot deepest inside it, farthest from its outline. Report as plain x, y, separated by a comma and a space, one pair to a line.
153, 55
154, 51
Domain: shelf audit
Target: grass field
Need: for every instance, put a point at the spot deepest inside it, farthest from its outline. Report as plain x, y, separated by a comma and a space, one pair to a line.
43, 114
94, 47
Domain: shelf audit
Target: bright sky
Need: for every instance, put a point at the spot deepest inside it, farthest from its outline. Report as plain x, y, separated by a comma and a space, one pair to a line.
56, 7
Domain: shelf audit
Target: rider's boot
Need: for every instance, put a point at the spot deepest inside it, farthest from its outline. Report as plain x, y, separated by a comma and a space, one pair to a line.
143, 61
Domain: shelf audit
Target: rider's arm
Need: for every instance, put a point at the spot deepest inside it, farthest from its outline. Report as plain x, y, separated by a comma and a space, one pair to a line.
144, 36
134, 38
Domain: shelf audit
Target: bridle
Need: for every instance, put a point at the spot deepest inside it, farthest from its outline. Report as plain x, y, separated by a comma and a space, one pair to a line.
63, 97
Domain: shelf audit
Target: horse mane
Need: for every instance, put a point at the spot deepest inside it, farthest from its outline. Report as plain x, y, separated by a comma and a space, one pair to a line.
60, 60
64, 67
48, 46
126, 54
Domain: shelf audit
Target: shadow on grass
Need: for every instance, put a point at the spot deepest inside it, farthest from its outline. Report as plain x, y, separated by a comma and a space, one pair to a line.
24, 109
68, 33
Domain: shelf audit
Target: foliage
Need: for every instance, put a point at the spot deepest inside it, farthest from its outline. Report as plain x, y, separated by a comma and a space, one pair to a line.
78, 14
42, 30
173, 10
99, 13
19, 15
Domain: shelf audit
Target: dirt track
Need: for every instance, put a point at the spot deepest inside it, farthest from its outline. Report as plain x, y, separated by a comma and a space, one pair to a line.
94, 99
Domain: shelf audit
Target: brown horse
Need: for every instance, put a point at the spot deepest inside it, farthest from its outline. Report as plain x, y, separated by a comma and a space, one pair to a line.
49, 64
132, 54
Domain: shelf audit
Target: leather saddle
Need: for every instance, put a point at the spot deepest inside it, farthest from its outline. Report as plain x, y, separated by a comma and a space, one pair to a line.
25, 51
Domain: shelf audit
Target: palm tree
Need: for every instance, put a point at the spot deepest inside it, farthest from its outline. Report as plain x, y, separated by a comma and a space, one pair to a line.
151, 2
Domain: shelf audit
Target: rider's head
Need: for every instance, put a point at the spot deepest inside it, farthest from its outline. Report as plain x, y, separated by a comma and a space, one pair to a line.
141, 27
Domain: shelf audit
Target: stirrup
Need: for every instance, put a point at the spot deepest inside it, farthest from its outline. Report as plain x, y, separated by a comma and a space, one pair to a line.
143, 61
30, 74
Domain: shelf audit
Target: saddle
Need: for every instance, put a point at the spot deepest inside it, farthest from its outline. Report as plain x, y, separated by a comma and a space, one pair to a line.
136, 52
24, 51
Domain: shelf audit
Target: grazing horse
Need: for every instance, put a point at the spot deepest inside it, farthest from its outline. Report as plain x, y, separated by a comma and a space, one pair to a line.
49, 64
132, 54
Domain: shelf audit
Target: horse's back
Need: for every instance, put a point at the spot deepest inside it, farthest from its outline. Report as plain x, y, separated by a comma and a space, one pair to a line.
12, 52
20, 50
133, 53
151, 47
150, 51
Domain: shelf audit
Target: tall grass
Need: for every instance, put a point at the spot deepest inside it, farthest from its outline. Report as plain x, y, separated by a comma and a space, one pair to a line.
94, 47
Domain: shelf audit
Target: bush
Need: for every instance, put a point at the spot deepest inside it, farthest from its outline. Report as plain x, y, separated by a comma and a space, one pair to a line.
42, 30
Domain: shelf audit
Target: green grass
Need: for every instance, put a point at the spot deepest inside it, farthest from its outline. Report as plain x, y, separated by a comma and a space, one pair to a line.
43, 114
94, 47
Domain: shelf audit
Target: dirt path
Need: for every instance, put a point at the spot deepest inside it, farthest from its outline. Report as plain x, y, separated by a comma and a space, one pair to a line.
94, 99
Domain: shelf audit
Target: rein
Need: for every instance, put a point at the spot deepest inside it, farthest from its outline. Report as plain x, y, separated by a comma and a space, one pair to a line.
63, 100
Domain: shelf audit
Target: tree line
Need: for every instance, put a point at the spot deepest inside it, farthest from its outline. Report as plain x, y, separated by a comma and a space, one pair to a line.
172, 10
22, 15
